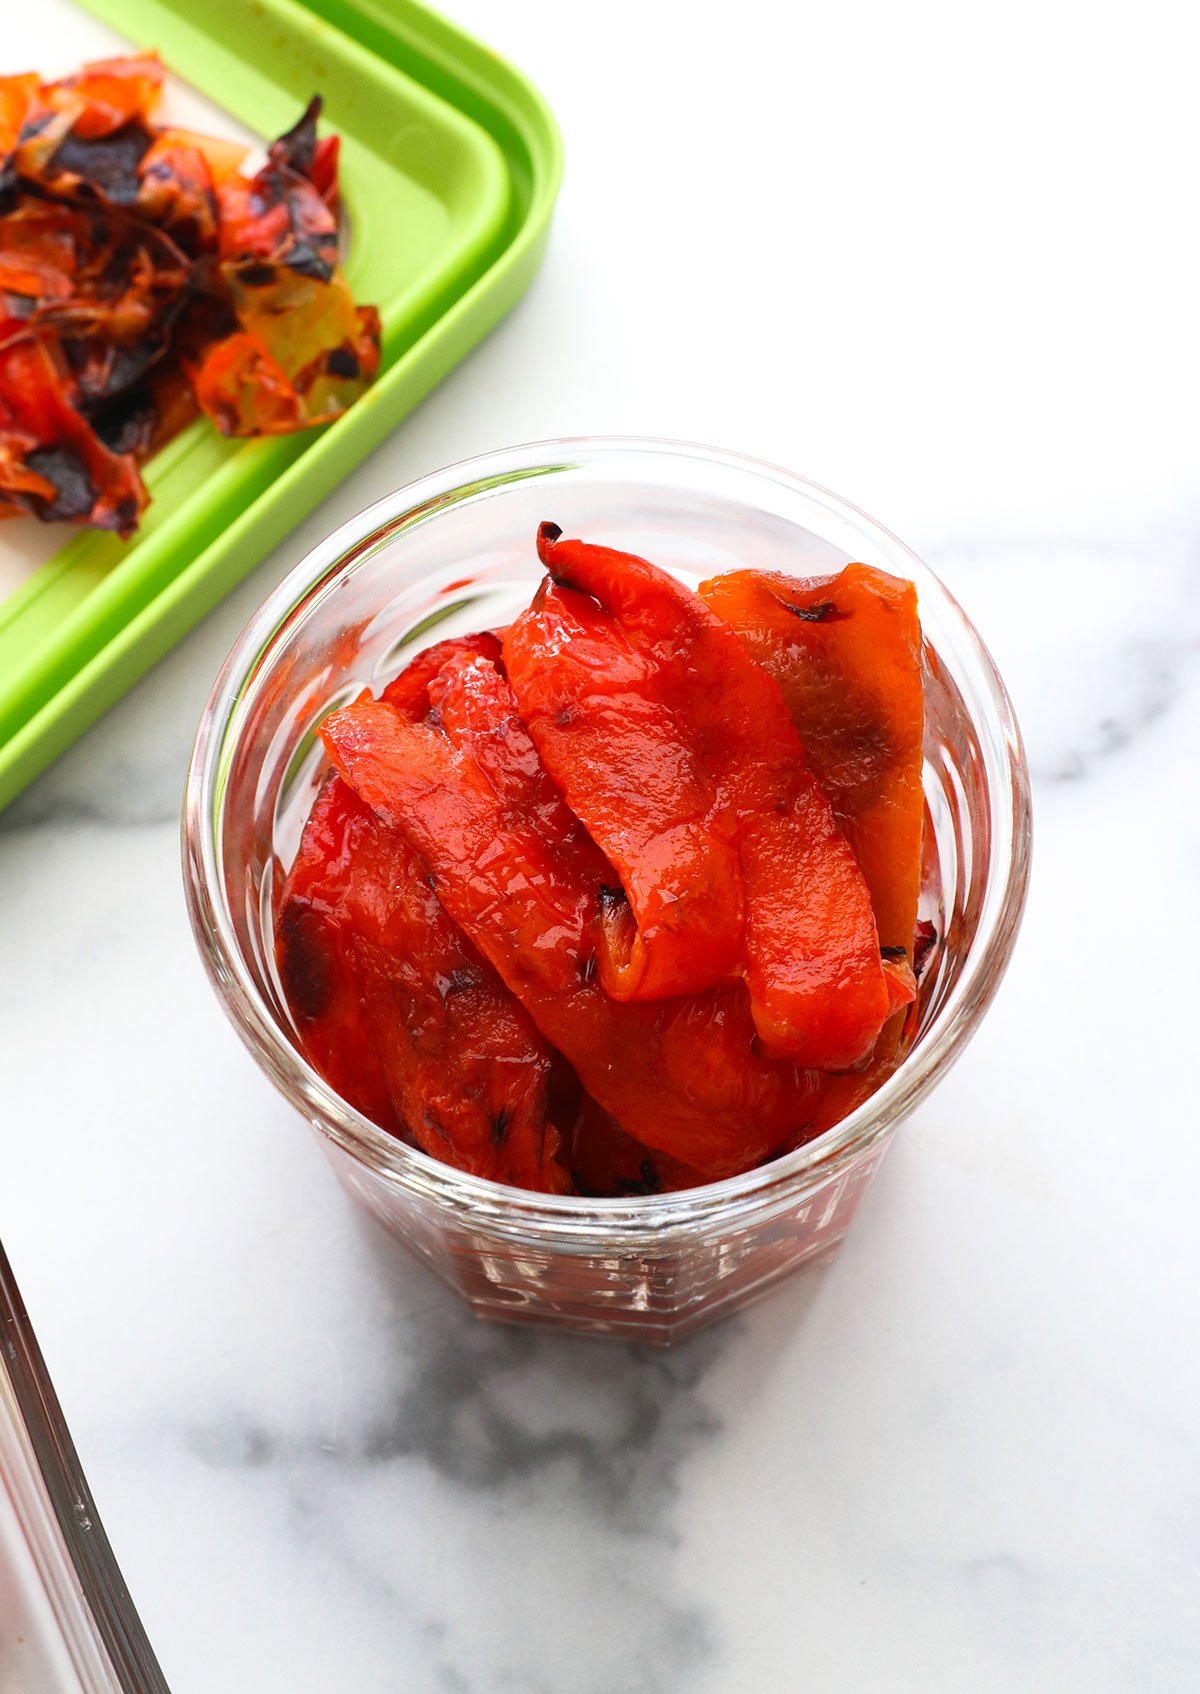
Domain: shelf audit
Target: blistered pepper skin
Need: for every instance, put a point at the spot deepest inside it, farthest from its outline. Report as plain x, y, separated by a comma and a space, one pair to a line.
523, 880
724, 782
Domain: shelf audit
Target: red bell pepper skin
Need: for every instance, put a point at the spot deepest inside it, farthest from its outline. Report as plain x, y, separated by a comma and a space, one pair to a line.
108, 93
596, 711
399, 1012
314, 952
724, 769
176, 192
846, 653
409, 692
51, 461
522, 879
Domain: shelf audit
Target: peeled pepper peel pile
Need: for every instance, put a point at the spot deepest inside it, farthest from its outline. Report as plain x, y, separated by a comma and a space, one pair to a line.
145, 279
621, 899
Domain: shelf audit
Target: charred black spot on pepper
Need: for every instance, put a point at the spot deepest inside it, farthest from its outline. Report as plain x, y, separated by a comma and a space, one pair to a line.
459, 981
893, 952
823, 612
313, 258
303, 961
125, 516
75, 492
296, 146
650, 1181
256, 275
500, 1125
342, 361
108, 163
33, 126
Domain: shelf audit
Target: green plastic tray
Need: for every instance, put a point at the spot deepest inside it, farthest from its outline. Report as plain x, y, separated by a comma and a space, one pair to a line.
451, 164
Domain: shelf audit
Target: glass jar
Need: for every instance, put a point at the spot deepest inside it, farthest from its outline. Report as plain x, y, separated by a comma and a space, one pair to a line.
67, 1624
454, 553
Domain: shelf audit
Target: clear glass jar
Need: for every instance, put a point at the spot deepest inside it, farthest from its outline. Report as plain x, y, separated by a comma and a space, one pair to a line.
453, 553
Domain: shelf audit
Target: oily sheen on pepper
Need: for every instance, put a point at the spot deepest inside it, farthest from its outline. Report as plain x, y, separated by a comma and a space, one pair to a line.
623, 898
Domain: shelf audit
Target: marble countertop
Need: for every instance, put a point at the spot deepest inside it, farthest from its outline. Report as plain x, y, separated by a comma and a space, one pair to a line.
941, 261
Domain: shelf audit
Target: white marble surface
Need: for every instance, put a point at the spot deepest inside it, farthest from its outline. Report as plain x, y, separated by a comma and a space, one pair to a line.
940, 259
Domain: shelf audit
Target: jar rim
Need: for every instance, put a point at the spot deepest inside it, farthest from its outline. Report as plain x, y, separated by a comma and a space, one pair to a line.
626, 1219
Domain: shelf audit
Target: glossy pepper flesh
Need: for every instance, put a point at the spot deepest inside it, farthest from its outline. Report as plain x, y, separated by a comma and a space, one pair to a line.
723, 773
518, 873
845, 652
398, 1010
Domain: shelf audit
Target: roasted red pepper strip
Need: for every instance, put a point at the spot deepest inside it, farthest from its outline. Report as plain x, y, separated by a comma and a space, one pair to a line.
846, 654
314, 949
716, 728
399, 1012
461, 1063
516, 871
595, 708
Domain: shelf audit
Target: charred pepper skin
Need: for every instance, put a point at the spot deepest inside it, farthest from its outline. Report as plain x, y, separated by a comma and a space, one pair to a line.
148, 279
521, 877
723, 780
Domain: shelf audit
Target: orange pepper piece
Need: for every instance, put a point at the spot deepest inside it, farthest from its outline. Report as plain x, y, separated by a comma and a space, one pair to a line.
846, 654
521, 877
678, 752
108, 93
